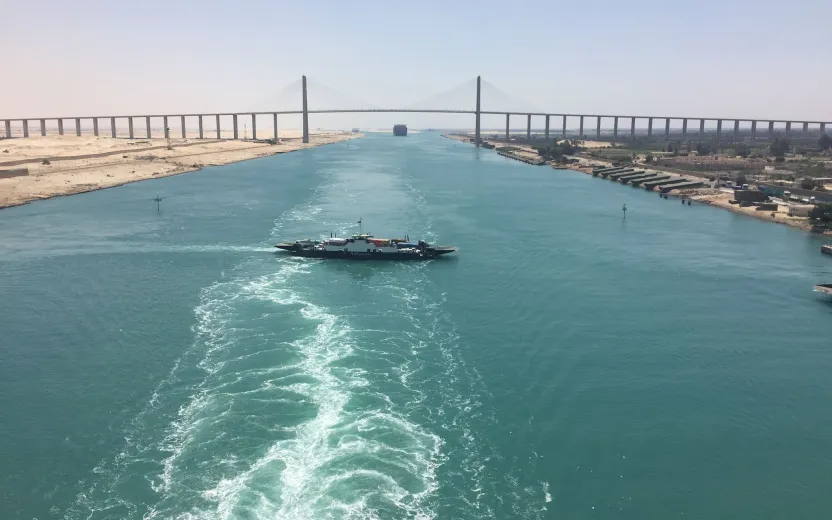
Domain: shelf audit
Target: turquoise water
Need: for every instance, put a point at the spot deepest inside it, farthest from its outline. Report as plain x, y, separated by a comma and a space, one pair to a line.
566, 364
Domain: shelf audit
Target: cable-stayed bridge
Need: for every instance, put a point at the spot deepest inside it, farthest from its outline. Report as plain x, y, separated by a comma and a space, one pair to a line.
475, 97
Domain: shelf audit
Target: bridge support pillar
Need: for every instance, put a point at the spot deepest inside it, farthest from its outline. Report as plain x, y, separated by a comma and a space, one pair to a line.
598, 128
113, 127
528, 127
788, 126
253, 127
736, 127
508, 137
547, 127
95, 126
8, 129
60, 127
822, 127
582, 127
200, 127
234, 125
684, 127
477, 115
805, 126
667, 127
43, 127
78, 127
770, 128
306, 116
753, 128
25, 128
701, 127
166, 133
130, 126
182, 123
563, 127
615, 127
219, 135
147, 126
632, 128
649, 126
275, 127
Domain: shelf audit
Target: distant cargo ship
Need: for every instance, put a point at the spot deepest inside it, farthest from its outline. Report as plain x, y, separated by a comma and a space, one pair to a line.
400, 130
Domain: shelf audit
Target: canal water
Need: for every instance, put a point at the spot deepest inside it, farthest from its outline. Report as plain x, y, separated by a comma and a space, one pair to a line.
566, 363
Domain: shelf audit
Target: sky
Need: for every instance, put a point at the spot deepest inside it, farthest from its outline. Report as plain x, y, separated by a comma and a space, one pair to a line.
710, 58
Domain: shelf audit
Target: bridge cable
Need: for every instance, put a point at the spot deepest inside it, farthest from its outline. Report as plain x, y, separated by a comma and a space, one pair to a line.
459, 97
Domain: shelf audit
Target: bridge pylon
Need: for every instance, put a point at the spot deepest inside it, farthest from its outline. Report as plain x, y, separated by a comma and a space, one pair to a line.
305, 113
477, 134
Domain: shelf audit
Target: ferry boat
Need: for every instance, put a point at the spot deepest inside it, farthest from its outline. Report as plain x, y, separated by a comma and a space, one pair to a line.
362, 246
827, 250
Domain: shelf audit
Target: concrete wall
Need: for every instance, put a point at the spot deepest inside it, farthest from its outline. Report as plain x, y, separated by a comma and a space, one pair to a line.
749, 195
800, 211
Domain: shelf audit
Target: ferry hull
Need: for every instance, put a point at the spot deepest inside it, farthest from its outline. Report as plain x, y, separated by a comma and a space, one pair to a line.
824, 288
427, 254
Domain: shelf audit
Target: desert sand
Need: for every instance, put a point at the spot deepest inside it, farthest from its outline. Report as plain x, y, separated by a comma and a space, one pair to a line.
65, 165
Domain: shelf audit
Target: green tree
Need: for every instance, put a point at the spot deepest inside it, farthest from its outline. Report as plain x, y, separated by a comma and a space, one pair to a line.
807, 183
741, 179
825, 142
670, 147
821, 213
741, 149
648, 157
780, 146
779, 158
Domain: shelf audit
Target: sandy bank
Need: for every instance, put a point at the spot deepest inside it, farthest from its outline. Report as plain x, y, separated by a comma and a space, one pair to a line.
87, 163
710, 196
721, 200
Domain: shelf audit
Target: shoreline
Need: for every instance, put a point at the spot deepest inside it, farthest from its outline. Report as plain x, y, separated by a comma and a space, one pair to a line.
709, 196
85, 164
718, 199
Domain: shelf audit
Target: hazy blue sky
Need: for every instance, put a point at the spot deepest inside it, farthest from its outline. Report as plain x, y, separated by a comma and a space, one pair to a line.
710, 57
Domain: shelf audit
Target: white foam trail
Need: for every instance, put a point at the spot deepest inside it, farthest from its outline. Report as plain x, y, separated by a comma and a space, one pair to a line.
333, 441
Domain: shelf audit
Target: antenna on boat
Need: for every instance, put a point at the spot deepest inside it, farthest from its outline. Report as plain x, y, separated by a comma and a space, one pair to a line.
158, 199
624, 209
360, 226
